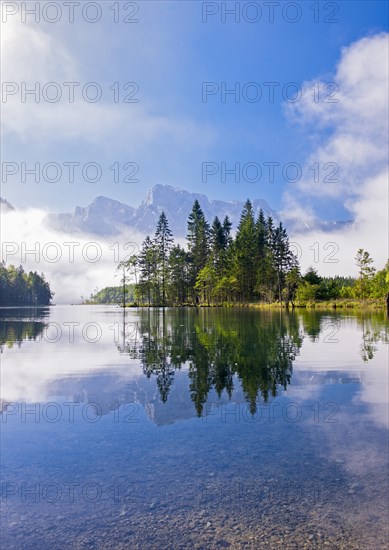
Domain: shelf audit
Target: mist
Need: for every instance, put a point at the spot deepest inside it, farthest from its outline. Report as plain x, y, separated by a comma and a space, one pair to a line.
75, 265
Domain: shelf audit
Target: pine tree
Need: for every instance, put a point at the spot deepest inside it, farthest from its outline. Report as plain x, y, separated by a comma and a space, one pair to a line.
217, 245
178, 269
262, 255
260, 228
148, 270
226, 254
198, 234
163, 241
284, 259
312, 276
245, 252
267, 274
227, 231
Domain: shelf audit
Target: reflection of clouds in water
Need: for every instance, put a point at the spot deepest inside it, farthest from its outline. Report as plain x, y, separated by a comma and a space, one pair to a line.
356, 448
349, 354
345, 459
321, 363
374, 390
355, 443
28, 371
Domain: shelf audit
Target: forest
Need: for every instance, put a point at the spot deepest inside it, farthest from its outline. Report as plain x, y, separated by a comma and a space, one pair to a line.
18, 288
257, 265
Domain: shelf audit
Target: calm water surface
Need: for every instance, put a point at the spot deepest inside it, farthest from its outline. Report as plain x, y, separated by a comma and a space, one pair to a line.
218, 428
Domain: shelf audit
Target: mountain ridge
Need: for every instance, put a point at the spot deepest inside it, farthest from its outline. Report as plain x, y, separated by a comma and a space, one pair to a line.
109, 217
106, 217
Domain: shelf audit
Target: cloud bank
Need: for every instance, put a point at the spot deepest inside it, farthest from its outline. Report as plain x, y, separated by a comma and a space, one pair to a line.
349, 123
74, 265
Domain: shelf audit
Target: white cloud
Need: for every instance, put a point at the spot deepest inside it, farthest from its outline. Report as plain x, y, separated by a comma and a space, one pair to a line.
354, 135
70, 269
33, 54
334, 253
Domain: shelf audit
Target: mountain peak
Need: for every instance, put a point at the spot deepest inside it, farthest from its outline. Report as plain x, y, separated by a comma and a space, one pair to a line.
5, 205
107, 217
161, 192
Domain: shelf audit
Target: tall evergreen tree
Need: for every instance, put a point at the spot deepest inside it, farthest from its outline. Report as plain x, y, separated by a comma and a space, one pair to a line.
262, 256
226, 257
227, 231
260, 228
197, 237
148, 270
245, 252
163, 241
178, 270
284, 259
217, 245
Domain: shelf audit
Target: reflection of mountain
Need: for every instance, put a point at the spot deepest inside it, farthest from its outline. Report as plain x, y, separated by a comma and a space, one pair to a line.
108, 392
192, 357
217, 345
307, 378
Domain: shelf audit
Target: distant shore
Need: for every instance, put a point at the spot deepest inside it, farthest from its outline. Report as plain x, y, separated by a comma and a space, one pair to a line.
325, 304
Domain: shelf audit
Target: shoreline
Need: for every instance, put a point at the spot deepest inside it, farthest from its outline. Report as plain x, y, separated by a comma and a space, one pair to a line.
371, 304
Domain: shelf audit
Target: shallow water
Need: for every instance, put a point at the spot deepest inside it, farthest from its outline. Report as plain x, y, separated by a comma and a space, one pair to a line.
218, 428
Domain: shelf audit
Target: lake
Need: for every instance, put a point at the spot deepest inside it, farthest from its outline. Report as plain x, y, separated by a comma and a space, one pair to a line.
186, 428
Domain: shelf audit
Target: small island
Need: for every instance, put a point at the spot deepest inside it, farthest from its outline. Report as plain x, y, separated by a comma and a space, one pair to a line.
256, 267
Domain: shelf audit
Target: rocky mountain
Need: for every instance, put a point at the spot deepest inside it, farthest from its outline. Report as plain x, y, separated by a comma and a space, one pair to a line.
5, 205
106, 217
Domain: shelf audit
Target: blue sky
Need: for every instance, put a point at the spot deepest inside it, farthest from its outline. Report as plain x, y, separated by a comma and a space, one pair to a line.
328, 148
171, 132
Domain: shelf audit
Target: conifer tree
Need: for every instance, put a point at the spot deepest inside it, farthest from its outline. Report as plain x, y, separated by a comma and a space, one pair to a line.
198, 234
178, 270
245, 252
163, 241
148, 270
217, 245
284, 259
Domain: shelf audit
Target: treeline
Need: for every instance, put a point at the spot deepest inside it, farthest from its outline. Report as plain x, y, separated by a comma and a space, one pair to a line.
113, 295
257, 265
18, 288
368, 286
215, 268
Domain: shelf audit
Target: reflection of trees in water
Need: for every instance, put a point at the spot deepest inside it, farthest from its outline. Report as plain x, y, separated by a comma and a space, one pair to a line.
372, 325
216, 345
374, 330
321, 325
19, 325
